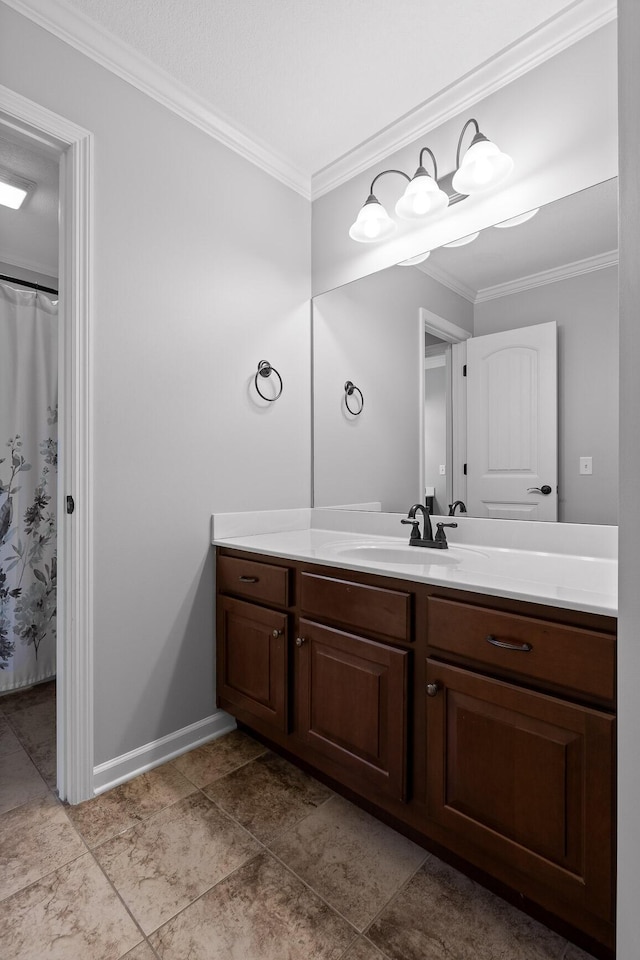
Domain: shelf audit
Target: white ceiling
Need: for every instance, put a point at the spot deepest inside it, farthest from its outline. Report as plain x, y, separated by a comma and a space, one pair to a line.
573, 233
29, 236
313, 79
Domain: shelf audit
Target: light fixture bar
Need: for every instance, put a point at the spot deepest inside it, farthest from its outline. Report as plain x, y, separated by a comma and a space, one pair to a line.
482, 167
446, 183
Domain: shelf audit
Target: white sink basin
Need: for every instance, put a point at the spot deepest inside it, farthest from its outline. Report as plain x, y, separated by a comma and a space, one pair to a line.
384, 552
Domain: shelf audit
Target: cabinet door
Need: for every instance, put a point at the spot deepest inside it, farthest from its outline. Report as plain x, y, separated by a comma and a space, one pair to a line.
352, 704
523, 778
252, 660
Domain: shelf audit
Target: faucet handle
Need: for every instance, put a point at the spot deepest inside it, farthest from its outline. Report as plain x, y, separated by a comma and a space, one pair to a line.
441, 536
415, 528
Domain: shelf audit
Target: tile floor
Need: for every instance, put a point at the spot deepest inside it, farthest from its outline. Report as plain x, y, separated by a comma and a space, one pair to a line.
227, 853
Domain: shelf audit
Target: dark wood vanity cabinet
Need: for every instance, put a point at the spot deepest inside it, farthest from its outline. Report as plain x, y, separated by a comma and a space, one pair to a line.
351, 704
252, 660
252, 646
524, 778
480, 725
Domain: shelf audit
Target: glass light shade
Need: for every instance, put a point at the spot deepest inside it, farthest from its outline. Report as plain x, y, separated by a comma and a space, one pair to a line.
516, 221
372, 223
483, 167
422, 198
11, 196
463, 241
413, 260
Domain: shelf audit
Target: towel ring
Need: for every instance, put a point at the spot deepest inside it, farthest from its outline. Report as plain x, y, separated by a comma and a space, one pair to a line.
349, 390
265, 370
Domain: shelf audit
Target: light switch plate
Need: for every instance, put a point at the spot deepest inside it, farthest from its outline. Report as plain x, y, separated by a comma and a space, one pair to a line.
586, 466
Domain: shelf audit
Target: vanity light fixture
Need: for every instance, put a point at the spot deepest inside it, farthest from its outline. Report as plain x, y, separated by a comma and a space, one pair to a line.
14, 189
422, 196
373, 222
483, 167
516, 221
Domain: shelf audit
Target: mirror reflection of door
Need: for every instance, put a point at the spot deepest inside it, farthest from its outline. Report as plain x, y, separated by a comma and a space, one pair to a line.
437, 405
512, 424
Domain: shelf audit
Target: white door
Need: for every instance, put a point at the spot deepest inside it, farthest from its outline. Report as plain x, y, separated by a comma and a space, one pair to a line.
512, 424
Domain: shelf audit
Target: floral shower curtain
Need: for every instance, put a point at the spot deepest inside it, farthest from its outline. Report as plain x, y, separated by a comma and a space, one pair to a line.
28, 486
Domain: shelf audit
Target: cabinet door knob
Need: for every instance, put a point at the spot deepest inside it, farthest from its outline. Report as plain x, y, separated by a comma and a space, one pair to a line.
300, 641
276, 633
432, 689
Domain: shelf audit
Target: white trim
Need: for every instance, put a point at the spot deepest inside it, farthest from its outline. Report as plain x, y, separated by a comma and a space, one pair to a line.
435, 361
439, 327
75, 533
547, 40
422, 479
85, 35
458, 422
564, 272
447, 280
41, 268
150, 755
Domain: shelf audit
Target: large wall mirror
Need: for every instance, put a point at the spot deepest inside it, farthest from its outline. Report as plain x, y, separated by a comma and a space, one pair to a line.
530, 309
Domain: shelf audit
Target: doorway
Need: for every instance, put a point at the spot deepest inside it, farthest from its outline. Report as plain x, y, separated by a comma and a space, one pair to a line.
74, 147
443, 426
28, 463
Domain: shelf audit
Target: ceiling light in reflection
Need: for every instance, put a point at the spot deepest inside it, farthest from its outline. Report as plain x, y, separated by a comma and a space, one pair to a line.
515, 221
413, 260
12, 191
463, 241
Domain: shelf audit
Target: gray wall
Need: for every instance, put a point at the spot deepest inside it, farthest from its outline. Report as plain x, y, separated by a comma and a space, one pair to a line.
202, 268
369, 332
586, 310
629, 600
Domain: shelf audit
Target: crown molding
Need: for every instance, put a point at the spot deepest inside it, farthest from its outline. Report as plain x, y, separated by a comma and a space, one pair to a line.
565, 272
547, 40
553, 36
447, 280
82, 33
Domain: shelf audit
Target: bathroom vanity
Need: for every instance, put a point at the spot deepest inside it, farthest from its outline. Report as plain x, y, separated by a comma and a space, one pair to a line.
480, 724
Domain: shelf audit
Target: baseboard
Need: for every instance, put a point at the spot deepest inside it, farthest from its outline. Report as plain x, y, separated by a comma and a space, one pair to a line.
129, 765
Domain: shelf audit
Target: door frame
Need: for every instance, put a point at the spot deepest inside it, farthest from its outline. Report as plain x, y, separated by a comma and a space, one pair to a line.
74, 650
429, 322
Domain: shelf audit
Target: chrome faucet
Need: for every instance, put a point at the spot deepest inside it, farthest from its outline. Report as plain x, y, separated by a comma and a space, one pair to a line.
452, 508
439, 542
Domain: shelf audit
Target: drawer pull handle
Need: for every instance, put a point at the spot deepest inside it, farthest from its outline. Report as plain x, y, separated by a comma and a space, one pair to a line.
276, 633
519, 647
432, 689
248, 579
300, 641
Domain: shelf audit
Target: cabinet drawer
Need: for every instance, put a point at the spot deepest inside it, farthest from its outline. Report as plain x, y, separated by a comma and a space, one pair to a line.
383, 613
563, 657
255, 580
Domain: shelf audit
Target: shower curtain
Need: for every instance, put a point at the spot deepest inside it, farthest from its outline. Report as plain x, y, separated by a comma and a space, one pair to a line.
28, 486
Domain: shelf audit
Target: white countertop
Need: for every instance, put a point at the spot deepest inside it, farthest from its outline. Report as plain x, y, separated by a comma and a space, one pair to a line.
553, 577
